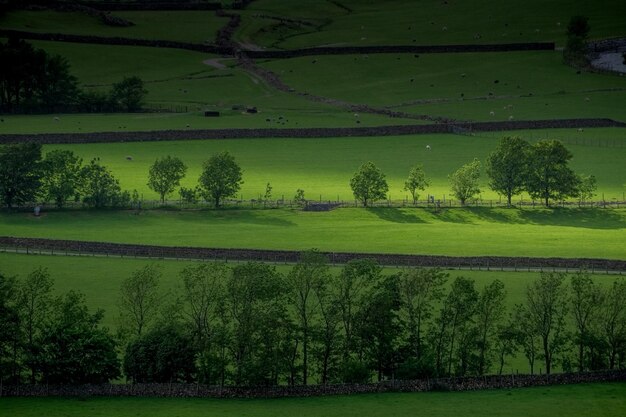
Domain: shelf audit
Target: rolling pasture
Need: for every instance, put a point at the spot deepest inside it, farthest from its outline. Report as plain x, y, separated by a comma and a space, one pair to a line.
602, 400
407, 22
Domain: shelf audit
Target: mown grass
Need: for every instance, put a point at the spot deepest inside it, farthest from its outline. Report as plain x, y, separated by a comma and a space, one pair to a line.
323, 167
600, 400
183, 26
422, 23
572, 233
462, 86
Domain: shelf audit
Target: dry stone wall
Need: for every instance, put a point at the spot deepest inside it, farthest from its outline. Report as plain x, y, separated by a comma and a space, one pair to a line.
288, 256
206, 391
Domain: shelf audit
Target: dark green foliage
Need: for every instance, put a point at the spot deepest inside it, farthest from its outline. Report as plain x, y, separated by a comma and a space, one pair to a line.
72, 348
549, 176
355, 372
368, 184
165, 175
9, 328
220, 178
20, 173
61, 176
165, 354
129, 94
576, 48
100, 188
33, 80
507, 166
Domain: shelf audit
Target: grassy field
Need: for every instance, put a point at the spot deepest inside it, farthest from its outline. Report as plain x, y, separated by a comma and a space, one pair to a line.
100, 278
323, 167
357, 22
462, 86
598, 400
594, 233
183, 26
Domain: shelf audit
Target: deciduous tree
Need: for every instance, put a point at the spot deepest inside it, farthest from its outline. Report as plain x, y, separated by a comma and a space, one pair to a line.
507, 167
61, 176
165, 175
20, 173
416, 182
368, 184
464, 181
221, 178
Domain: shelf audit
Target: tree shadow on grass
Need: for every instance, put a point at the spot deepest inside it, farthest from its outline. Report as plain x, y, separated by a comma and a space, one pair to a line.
396, 215
589, 218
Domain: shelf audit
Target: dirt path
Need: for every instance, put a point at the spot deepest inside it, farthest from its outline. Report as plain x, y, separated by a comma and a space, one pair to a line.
216, 63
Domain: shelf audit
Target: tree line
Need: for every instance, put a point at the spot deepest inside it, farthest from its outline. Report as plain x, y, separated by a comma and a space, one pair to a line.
34, 81
515, 166
249, 324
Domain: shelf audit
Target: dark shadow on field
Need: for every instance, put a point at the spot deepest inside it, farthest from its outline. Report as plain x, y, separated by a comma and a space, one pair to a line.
396, 215
589, 218
229, 216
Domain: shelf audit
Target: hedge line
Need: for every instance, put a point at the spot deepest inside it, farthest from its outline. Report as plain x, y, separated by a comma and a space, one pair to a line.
259, 133
182, 252
206, 391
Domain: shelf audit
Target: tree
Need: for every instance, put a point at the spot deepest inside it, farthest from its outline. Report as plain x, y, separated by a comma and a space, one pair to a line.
61, 176
163, 354
613, 321
9, 328
577, 32
549, 177
165, 175
35, 299
587, 186
587, 298
356, 280
368, 184
221, 178
299, 198
417, 181
507, 166
100, 188
57, 88
20, 173
464, 181
489, 311
526, 333
129, 93
419, 290
203, 294
301, 282
73, 349
547, 301
140, 300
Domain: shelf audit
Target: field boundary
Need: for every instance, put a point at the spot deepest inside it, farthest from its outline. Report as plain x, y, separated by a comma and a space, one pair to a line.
78, 247
264, 133
275, 54
180, 390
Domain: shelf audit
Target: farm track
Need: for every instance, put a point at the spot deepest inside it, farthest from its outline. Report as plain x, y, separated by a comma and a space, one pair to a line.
500, 263
305, 133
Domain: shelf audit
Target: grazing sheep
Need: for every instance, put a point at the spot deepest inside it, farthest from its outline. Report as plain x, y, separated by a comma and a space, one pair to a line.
129, 158
492, 113
428, 147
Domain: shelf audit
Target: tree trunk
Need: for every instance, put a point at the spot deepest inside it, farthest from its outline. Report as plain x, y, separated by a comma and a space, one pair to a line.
305, 352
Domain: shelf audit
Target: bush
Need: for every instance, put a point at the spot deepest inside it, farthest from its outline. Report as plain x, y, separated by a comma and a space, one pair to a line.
355, 372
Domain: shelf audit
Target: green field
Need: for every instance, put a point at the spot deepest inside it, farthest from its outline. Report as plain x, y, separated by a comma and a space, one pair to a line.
571, 233
100, 278
323, 167
174, 25
598, 400
461, 85
409, 22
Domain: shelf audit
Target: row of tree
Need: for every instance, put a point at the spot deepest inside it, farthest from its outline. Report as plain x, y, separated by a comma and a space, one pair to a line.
515, 166
34, 81
250, 324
